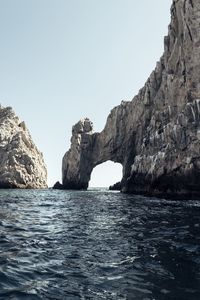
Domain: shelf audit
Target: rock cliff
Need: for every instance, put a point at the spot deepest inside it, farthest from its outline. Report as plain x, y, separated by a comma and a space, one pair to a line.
156, 136
21, 164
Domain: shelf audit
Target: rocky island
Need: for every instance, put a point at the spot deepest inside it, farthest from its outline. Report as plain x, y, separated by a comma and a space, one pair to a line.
156, 136
21, 163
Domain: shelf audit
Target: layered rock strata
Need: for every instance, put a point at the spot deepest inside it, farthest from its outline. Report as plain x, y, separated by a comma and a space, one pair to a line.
21, 163
156, 136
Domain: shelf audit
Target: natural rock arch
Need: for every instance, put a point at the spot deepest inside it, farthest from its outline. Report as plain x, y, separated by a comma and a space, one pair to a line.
156, 136
88, 150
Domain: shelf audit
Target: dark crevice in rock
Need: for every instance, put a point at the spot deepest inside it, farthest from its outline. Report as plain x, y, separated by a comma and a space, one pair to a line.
189, 31
7, 185
191, 3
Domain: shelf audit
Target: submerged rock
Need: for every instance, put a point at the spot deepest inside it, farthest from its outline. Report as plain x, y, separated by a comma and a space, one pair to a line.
21, 163
58, 186
156, 136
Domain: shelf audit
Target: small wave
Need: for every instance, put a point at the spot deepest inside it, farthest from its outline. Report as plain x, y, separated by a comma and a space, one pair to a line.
97, 245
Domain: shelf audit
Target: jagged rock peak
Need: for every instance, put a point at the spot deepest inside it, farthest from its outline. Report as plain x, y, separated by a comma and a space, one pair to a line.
21, 163
84, 125
156, 136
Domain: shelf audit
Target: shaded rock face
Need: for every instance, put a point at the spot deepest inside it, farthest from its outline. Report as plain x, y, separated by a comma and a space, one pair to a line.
21, 163
77, 164
156, 136
115, 187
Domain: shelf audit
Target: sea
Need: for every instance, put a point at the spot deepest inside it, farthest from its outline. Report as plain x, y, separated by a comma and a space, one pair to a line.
98, 244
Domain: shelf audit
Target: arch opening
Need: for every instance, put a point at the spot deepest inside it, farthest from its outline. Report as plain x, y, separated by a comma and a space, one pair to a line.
106, 174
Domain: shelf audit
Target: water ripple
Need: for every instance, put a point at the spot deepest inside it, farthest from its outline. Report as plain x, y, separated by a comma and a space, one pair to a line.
98, 245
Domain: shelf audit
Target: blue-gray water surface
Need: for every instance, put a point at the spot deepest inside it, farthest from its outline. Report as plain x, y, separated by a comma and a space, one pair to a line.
98, 244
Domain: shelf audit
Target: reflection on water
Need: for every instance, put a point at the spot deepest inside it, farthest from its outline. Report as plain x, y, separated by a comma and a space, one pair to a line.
98, 245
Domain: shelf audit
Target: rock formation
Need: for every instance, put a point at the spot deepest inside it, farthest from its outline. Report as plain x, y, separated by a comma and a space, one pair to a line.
156, 136
21, 164
115, 187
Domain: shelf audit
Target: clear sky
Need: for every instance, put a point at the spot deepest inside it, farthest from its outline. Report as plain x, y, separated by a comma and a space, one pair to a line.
61, 60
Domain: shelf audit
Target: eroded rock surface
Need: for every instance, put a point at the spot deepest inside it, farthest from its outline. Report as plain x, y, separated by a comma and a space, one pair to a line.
21, 163
156, 136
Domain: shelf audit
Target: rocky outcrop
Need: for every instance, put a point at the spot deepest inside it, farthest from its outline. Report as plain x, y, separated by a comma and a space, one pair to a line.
77, 163
57, 186
156, 136
21, 164
116, 187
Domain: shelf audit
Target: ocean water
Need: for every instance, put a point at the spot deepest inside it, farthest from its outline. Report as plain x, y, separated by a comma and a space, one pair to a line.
98, 244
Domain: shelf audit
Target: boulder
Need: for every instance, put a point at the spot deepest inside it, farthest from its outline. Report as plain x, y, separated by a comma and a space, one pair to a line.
58, 186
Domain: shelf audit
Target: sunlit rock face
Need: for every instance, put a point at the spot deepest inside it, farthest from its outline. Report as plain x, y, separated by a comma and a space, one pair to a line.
156, 136
21, 163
